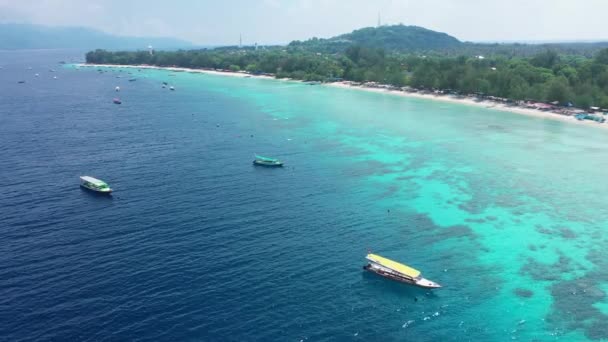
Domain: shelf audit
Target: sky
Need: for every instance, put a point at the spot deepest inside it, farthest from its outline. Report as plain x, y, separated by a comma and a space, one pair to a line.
220, 22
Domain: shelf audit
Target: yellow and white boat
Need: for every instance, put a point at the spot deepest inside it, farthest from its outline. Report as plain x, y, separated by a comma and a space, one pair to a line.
397, 271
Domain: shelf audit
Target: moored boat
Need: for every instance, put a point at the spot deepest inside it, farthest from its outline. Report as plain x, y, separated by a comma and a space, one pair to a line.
591, 117
95, 184
396, 271
265, 161
117, 100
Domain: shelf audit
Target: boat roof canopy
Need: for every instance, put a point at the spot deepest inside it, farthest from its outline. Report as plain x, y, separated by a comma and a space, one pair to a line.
265, 158
393, 265
92, 180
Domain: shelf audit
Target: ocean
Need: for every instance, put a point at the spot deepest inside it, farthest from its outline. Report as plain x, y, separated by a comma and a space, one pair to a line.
508, 212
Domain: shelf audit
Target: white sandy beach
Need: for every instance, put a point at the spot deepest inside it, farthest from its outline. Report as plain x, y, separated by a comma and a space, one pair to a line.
468, 101
176, 69
436, 97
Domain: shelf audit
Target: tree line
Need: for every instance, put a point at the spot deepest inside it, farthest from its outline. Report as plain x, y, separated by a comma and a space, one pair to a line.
545, 77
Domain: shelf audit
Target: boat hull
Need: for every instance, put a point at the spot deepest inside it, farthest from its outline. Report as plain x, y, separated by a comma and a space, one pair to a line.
261, 163
97, 191
401, 279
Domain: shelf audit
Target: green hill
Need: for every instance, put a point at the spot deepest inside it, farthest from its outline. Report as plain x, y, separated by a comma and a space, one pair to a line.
398, 38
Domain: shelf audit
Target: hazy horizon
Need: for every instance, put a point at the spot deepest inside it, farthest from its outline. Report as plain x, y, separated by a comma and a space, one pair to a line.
279, 22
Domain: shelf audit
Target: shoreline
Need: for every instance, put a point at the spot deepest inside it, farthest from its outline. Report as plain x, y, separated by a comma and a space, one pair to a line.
487, 104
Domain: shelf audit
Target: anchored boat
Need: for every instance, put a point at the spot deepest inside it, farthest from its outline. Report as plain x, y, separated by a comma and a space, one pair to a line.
396, 271
95, 184
265, 161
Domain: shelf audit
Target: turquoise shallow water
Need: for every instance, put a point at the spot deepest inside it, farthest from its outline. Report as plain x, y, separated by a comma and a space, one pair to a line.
507, 212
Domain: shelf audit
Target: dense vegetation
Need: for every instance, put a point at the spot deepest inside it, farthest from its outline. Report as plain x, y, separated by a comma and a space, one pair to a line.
413, 39
547, 76
397, 38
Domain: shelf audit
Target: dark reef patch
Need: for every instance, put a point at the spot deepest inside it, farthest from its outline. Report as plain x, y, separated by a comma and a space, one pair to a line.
523, 293
573, 306
573, 300
473, 220
391, 191
550, 272
567, 233
472, 207
598, 330
453, 232
543, 230
370, 168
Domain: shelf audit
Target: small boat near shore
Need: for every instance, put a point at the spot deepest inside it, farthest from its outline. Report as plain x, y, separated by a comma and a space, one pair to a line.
94, 184
396, 271
265, 161
116, 100
591, 117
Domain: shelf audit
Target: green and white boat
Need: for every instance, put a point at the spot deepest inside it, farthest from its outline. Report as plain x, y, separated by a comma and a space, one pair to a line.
95, 184
265, 161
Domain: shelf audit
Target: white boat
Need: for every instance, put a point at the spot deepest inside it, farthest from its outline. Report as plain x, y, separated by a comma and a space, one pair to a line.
396, 271
95, 184
117, 88
265, 161
171, 88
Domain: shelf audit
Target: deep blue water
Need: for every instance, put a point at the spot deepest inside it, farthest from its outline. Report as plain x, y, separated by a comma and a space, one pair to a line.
197, 244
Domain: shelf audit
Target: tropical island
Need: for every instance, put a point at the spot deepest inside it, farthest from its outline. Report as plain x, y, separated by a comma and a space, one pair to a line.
554, 77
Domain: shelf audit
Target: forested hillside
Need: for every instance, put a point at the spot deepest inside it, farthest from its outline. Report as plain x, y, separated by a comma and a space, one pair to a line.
547, 75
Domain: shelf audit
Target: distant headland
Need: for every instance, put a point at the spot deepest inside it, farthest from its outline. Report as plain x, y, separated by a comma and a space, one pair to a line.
27, 36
